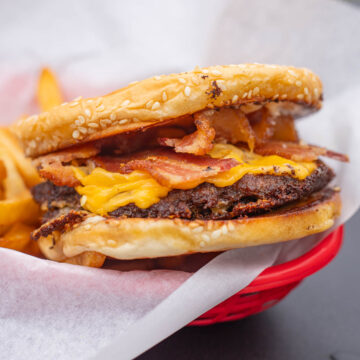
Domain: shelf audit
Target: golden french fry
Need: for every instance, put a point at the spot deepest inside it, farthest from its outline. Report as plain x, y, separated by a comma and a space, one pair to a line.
2, 178
19, 209
48, 91
18, 205
10, 145
2, 171
17, 238
87, 258
4, 229
14, 185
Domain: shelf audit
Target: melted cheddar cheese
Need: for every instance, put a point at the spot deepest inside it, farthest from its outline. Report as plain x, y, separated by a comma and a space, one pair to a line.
103, 191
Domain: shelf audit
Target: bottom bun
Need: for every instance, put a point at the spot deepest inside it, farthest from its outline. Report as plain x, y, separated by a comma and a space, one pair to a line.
137, 238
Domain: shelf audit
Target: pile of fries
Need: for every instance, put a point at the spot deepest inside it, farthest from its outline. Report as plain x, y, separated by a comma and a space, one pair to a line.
19, 214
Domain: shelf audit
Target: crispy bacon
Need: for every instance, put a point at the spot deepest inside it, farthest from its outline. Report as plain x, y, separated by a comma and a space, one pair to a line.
297, 152
285, 129
174, 170
51, 166
233, 126
199, 142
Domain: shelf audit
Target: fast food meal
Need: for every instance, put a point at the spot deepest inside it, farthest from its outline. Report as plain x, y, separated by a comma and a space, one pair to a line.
197, 162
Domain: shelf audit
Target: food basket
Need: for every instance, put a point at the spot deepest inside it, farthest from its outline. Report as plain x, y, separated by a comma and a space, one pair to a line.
274, 283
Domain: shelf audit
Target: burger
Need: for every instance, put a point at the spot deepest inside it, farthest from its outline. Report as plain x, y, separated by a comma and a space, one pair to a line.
197, 162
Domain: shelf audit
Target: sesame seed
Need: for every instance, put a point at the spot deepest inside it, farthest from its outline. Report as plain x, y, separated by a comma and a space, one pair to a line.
81, 119
316, 92
64, 103
164, 96
306, 91
32, 144
149, 103
231, 226
215, 72
300, 96
216, 234
93, 125
87, 112
155, 106
76, 134
78, 98
82, 130
100, 108
205, 71
182, 80
283, 96
77, 122
298, 83
112, 116
123, 121
291, 72
193, 224
199, 229
235, 98
224, 229
83, 200
89, 101
111, 242
256, 91
202, 243
126, 102
205, 237
187, 91
275, 96
249, 94
74, 103
221, 84
245, 95
105, 122
157, 77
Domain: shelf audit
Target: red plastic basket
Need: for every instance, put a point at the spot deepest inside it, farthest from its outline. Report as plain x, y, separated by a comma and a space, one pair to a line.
274, 283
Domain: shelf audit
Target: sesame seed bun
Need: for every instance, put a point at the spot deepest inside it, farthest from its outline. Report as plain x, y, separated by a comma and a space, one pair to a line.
136, 238
161, 98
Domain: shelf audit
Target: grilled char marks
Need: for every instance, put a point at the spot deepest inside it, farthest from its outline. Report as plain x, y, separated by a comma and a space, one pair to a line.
250, 196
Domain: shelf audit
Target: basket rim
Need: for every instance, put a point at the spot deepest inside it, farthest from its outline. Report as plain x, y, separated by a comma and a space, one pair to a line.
301, 267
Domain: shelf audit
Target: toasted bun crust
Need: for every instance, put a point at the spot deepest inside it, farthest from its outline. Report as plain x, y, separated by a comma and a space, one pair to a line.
137, 238
156, 100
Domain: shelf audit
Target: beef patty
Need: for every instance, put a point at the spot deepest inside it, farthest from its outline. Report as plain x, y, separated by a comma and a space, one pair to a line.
250, 196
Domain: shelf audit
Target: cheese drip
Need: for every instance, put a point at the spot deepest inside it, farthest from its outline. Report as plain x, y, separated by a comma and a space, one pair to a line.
103, 191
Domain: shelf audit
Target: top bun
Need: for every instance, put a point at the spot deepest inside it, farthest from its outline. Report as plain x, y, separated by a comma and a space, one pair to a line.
161, 98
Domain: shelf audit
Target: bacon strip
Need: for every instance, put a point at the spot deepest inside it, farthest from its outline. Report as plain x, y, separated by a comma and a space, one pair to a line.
233, 126
174, 170
51, 166
199, 142
297, 152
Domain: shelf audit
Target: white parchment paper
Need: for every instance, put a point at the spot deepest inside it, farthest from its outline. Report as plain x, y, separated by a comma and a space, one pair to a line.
51, 310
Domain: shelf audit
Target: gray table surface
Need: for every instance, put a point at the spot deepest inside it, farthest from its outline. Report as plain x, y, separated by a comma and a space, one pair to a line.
318, 320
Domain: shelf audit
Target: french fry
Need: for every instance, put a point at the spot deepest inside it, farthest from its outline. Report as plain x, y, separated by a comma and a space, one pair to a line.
17, 238
17, 205
21, 209
48, 91
9, 145
87, 258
